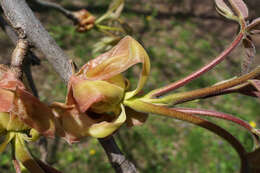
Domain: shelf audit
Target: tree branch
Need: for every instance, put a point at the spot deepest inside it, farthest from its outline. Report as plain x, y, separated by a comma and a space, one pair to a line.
30, 59
21, 16
116, 157
52, 5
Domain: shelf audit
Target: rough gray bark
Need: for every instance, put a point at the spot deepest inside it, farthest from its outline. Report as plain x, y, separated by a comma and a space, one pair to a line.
21, 16
30, 59
116, 157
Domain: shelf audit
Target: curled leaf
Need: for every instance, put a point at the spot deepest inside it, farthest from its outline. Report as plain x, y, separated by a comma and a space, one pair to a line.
125, 54
100, 95
35, 114
77, 125
105, 44
240, 8
103, 129
224, 10
114, 10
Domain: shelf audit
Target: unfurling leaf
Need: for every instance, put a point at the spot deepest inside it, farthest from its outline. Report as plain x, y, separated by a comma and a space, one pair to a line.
224, 10
95, 94
116, 8
240, 8
19, 109
105, 44
221, 5
101, 96
237, 6
103, 129
125, 54
78, 125
35, 114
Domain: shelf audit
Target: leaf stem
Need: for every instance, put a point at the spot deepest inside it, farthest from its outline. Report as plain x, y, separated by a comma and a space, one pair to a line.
142, 106
57, 7
175, 85
182, 97
223, 116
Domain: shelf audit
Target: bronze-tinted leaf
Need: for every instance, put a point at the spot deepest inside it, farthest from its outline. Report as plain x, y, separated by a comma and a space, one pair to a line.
101, 96
8, 80
35, 113
73, 124
78, 125
6, 100
125, 54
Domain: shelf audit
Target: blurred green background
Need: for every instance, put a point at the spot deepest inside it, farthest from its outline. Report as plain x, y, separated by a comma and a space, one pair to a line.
179, 36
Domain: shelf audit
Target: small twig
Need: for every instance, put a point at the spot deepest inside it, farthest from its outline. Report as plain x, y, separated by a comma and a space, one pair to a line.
21, 16
31, 58
116, 157
58, 8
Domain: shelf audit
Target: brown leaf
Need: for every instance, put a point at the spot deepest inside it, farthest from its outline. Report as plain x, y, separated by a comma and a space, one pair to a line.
34, 113
6, 100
